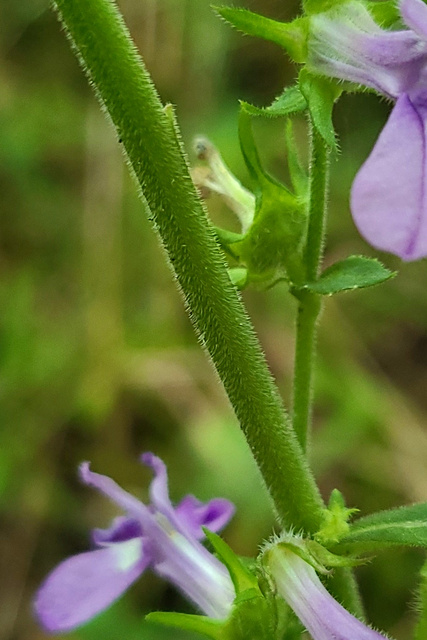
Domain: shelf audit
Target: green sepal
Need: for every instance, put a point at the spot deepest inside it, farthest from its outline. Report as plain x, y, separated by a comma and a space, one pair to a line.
330, 560
385, 13
315, 554
253, 614
290, 101
239, 276
297, 173
405, 526
321, 93
274, 240
421, 605
214, 629
336, 517
227, 239
243, 579
292, 36
354, 272
320, 6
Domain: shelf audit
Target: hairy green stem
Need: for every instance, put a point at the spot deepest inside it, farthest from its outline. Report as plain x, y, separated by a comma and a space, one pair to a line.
309, 304
154, 152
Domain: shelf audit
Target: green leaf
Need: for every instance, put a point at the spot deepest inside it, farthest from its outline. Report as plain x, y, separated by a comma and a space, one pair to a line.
289, 102
355, 272
321, 94
405, 526
292, 36
421, 605
200, 624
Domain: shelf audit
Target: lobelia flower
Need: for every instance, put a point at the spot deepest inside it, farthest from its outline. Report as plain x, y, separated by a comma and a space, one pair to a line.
159, 536
324, 618
389, 193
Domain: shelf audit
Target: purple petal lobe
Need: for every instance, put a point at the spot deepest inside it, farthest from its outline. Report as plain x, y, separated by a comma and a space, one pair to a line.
387, 199
159, 492
214, 514
111, 489
159, 536
414, 14
122, 529
84, 585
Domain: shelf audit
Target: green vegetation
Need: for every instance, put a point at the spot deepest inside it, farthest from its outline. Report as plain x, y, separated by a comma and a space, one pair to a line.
98, 360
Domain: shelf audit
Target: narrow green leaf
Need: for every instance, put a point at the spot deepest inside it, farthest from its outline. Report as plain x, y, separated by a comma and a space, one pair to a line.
355, 272
289, 102
421, 605
321, 94
405, 526
292, 36
200, 624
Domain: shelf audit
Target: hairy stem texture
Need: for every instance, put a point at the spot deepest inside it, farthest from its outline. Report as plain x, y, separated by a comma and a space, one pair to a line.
153, 150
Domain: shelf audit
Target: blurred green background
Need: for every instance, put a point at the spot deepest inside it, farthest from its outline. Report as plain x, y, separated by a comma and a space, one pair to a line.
98, 359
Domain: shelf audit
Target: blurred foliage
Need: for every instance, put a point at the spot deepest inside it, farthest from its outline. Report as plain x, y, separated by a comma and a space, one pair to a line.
98, 360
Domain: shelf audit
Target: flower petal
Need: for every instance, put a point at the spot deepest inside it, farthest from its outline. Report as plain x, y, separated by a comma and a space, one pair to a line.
414, 14
387, 198
159, 492
122, 529
196, 572
111, 489
214, 514
84, 585
346, 43
323, 617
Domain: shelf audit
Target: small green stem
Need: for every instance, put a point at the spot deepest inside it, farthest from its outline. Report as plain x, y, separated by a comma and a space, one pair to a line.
309, 304
342, 583
153, 150
319, 179
308, 312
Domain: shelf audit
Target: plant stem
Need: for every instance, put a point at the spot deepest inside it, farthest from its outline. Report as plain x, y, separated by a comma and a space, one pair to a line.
309, 304
152, 146
308, 312
319, 181
342, 583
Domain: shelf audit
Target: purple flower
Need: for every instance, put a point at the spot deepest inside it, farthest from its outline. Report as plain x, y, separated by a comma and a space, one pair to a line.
159, 536
324, 618
389, 194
